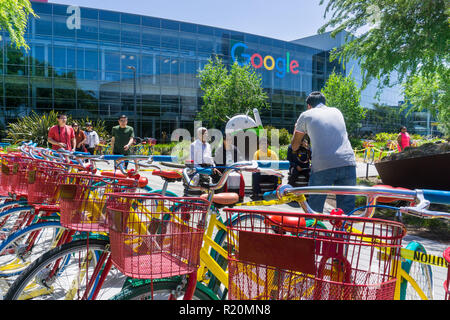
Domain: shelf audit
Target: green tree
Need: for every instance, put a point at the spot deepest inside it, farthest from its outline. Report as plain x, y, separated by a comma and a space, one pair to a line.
430, 93
229, 92
14, 18
410, 37
342, 93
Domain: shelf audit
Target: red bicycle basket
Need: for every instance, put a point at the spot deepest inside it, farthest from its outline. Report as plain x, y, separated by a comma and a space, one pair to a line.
150, 242
14, 174
82, 199
291, 256
447, 282
43, 180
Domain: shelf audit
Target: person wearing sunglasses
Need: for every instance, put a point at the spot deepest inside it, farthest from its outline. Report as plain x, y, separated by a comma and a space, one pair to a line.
80, 138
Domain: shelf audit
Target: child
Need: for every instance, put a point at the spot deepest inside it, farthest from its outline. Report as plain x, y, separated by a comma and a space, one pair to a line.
300, 162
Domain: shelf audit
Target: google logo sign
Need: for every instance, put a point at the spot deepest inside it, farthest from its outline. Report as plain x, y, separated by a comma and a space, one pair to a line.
283, 65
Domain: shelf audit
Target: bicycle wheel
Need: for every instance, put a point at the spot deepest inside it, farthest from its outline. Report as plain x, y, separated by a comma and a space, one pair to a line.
13, 218
420, 272
214, 284
24, 246
62, 274
163, 289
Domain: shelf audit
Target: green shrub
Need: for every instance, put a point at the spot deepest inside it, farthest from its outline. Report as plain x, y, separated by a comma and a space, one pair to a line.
35, 127
164, 148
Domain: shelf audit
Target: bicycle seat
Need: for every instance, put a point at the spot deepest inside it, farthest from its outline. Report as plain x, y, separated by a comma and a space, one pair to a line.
389, 199
286, 223
142, 181
168, 174
224, 198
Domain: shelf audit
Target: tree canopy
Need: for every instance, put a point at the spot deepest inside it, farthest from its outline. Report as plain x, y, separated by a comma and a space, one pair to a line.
409, 37
14, 19
342, 93
229, 92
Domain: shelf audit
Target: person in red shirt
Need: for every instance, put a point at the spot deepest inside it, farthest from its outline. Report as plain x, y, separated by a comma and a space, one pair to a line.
62, 136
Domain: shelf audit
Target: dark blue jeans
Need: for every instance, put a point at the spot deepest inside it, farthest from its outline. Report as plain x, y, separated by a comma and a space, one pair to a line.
343, 176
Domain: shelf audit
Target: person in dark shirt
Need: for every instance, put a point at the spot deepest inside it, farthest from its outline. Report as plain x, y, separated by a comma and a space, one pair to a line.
299, 162
122, 138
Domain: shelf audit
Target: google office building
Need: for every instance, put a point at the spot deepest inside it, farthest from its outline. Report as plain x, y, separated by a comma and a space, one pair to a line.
97, 63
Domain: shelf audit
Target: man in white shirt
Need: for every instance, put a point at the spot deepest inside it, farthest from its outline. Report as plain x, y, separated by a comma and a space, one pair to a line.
333, 160
201, 150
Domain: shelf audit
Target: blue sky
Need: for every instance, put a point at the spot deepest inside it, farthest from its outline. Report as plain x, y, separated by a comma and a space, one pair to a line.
281, 19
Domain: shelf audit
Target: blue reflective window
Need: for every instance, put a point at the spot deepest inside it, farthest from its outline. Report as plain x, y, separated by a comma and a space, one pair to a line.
80, 74
71, 53
147, 64
265, 41
188, 42
151, 22
109, 31
112, 76
169, 40
40, 8
130, 18
109, 16
112, 61
89, 29
205, 30
89, 13
80, 59
60, 9
205, 45
60, 27
91, 75
251, 38
130, 34
169, 24
188, 27
151, 37
43, 25
59, 57
91, 59
38, 54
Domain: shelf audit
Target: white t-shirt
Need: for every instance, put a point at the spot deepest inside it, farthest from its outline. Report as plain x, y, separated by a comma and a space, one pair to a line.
201, 153
92, 139
330, 147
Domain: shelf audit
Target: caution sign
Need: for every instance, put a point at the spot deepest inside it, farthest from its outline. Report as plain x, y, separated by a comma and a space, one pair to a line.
424, 258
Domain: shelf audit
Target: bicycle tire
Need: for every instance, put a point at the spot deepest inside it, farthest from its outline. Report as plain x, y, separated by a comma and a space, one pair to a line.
8, 221
162, 288
420, 272
12, 249
38, 269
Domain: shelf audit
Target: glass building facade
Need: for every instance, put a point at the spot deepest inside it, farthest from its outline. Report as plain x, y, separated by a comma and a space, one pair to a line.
90, 62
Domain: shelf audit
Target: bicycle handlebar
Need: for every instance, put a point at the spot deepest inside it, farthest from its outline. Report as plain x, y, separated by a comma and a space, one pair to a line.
119, 161
423, 198
242, 166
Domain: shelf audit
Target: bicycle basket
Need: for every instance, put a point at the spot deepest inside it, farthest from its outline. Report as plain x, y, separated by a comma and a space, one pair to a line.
153, 237
43, 179
14, 174
82, 199
279, 255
